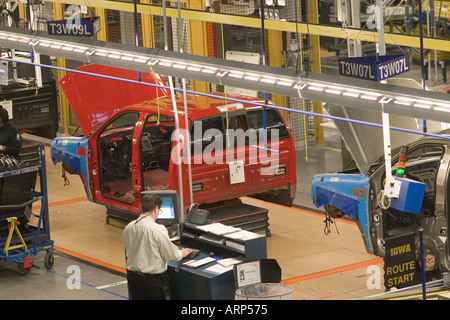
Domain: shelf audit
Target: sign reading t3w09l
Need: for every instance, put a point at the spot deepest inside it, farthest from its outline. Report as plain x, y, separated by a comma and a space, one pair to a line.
374, 68
84, 27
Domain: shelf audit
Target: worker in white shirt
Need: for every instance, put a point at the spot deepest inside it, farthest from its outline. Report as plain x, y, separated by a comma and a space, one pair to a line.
147, 249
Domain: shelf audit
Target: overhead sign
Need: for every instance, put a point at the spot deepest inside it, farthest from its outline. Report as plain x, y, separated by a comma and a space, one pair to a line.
399, 261
374, 68
85, 27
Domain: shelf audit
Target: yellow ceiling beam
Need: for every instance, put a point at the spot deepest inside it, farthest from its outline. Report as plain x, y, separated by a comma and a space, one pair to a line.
313, 29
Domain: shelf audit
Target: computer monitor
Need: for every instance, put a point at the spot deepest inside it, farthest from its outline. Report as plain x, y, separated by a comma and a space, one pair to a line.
170, 208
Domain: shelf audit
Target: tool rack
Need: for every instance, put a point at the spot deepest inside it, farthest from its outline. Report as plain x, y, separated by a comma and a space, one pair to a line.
23, 233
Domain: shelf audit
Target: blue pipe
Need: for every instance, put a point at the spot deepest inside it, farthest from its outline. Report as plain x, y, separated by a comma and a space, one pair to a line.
421, 56
232, 99
422, 269
263, 43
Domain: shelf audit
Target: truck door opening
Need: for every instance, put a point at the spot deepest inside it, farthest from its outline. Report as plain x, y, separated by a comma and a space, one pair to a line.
156, 146
115, 157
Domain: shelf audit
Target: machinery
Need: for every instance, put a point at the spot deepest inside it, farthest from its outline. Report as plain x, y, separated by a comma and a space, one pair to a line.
24, 234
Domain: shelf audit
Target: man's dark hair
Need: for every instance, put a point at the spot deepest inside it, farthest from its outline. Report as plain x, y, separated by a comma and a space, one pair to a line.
149, 202
4, 115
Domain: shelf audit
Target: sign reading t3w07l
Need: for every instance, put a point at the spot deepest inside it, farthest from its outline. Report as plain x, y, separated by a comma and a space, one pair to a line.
374, 68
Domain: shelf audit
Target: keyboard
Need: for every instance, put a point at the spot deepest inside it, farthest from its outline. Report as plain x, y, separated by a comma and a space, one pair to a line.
193, 253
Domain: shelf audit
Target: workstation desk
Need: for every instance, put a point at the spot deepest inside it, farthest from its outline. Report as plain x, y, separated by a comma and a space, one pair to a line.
202, 284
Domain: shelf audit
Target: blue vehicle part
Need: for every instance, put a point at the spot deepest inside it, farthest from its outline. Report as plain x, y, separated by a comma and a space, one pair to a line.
71, 152
348, 193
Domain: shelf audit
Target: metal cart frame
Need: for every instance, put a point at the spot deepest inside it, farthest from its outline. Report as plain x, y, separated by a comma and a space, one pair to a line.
19, 246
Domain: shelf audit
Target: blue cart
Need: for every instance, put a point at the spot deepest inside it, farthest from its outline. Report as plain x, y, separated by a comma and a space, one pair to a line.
24, 234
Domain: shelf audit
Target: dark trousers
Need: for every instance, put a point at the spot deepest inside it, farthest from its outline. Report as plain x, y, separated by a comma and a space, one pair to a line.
144, 286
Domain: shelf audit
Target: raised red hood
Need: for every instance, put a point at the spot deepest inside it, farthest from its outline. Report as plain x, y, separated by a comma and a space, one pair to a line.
94, 99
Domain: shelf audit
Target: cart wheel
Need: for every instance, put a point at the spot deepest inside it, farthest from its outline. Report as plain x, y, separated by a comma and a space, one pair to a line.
24, 271
49, 260
24, 267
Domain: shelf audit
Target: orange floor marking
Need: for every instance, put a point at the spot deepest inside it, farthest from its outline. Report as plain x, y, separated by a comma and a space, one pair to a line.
329, 272
63, 202
301, 210
89, 259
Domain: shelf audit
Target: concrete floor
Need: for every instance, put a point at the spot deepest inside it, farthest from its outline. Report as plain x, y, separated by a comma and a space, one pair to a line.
317, 266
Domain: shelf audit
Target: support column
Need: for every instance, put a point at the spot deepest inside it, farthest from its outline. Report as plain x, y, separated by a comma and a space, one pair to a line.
147, 24
276, 59
58, 10
102, 35
313, 18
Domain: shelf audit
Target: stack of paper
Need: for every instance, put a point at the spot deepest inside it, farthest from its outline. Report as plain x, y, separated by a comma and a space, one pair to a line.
230, 261
243, 235
219, 228
198, 263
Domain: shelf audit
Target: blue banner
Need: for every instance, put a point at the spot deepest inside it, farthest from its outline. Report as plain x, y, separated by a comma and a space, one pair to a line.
374, 68
83, 27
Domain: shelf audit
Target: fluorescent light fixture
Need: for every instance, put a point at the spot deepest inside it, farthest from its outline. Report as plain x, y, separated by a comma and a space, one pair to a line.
351, 94
314, 88
166, 64
336, 88
354, 90
80, 50
126, 58
209, 70
237, 75
180, 66
423, 106
101, 53
140, 60
445, 105
268, 80
441, 109
317, 84
332, 91
404, 103
252, 78
368, 97
405, 99
194, 68
375, 94
284, 83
